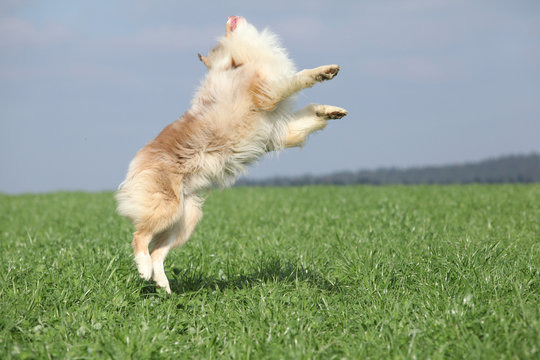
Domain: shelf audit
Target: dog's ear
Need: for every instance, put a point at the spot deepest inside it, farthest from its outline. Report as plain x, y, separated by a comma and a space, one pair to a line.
204, 60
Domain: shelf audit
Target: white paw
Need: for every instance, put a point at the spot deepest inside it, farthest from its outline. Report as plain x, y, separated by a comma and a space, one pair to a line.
164, 284
326, 72
329, 112
159, 276
144, 265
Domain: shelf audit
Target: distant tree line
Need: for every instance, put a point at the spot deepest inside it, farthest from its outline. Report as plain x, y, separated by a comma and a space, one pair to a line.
508, 169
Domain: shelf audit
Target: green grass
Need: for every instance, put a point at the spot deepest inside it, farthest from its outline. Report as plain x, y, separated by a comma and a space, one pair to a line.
314, 272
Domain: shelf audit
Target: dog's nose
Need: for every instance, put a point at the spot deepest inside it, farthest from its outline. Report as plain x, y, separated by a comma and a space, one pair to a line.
233, 22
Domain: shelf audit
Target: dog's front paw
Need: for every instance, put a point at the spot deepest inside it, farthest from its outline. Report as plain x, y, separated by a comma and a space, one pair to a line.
329, 112
327, 72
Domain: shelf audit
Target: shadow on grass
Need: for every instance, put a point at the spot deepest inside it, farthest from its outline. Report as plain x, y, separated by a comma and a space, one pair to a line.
266, 270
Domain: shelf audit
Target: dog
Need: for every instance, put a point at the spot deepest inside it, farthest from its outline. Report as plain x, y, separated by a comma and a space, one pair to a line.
242, 110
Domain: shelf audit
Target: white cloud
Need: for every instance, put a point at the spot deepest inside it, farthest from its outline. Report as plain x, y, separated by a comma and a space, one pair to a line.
17, 33
302, 30
415, 68
169, 38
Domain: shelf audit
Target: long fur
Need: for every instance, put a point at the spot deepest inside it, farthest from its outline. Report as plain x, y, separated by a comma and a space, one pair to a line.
242, 110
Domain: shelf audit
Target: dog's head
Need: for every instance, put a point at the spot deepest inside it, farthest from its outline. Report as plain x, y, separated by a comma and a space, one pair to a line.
243, 45
221, 57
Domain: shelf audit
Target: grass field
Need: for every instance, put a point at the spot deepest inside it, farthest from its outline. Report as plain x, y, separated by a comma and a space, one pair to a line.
315, 272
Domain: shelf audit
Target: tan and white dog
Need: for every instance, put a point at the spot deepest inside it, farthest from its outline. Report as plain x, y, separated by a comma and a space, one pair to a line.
242, 110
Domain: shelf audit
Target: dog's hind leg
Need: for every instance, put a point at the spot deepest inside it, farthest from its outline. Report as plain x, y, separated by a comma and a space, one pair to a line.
178, 234
141, 239
162, 212
161, 246
308, 120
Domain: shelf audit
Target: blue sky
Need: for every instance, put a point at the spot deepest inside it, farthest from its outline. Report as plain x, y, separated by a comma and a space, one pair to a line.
85, 84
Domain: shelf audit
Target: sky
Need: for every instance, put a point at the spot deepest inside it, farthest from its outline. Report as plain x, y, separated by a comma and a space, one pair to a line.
85, 84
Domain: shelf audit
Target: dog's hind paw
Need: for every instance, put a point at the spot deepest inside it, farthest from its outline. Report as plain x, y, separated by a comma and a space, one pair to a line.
329, 112
327, 72
144, 265
160, 278
164, 286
